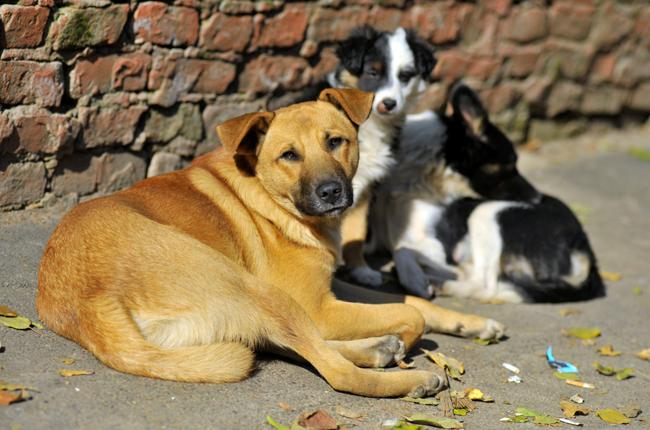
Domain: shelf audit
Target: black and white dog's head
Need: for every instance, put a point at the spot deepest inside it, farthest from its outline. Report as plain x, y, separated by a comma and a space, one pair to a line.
480, 153
394, 66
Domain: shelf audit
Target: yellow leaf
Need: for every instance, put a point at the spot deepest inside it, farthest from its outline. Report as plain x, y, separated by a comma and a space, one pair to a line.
477, 395
68, 361
18, 322
608, 351
69, 372
612, 416
610, 276
570, 410
644, 354
453, 366
583, 332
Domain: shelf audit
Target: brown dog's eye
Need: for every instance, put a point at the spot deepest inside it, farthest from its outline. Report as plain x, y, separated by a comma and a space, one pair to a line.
290, 155
334, 142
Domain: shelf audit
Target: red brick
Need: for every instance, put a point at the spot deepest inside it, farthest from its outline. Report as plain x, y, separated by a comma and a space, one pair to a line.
573, 60
31, 82
501, 97
642, 27
286, 29
161, 24
21, 184
451, 65
98, 75
327, 62
611, 26
603, 69
483, 68
6, 131
332, 24
523, 60
226, 33
438, 22
570, 20
38, 131
192, 76
500, 7
630, 69
603, 100
109, 126
640, 99
385, 19
76, 27
76, 173
526, 24
266, 72
119, 170
564, 97
23, 26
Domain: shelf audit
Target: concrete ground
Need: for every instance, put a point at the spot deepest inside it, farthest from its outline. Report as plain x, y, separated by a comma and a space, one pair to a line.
596, 175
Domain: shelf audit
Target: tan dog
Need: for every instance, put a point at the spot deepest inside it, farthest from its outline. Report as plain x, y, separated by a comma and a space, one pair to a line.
182, 276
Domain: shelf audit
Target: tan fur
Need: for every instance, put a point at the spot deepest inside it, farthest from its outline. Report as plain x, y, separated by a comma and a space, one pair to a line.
184, 275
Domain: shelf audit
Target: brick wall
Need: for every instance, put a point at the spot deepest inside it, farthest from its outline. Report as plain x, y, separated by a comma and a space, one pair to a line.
97, 94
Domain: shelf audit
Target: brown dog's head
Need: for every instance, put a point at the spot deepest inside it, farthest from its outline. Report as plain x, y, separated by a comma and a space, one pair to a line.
304, 155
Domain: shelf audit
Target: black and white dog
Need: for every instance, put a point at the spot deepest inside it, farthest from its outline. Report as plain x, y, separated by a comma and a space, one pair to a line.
395, 67
455, 211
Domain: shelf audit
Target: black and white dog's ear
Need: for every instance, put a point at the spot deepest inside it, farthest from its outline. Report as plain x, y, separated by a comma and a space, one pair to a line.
425, 59
467, 108
352, 50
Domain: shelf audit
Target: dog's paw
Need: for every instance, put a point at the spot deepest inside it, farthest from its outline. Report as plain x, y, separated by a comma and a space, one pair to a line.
389, 349
366, 276
492, 330
432, 384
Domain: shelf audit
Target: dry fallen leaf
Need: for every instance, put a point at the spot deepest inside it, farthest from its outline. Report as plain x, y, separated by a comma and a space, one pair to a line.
7, 312
276, 425
631, 411
317, 420
431, 401
17, 322
435, 421
612, 416
69, 372
478, 395
7, 398
570, 409
68, 361
610, 276
644, 354
583, 332
565, 376
608, 351
603, 370
347, 413
565, 312
285, 406
454, 367
404, 365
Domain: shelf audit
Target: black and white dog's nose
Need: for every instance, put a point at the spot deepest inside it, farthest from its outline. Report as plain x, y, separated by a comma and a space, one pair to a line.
330, 192
389, 104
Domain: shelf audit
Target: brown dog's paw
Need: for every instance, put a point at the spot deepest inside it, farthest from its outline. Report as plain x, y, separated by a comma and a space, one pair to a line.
390, 349
433, 383
493, 330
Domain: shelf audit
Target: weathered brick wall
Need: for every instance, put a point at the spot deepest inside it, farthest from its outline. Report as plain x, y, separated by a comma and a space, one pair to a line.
96, 94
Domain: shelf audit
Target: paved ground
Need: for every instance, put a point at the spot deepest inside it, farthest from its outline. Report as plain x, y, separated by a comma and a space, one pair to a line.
596, 175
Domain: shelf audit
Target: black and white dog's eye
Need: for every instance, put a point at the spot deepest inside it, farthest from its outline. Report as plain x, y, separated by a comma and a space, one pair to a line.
334, 142
290, 155
406, 75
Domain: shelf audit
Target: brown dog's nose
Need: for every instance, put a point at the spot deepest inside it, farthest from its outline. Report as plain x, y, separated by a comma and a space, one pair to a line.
330, 191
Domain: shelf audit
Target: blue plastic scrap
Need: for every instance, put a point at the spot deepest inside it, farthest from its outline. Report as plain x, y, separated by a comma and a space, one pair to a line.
560, 366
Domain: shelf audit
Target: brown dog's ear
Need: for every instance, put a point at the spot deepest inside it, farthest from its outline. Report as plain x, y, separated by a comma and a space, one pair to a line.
241, 135
355, 103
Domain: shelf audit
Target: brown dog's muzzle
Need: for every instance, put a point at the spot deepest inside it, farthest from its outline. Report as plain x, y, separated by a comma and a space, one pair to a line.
330, 196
